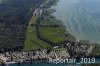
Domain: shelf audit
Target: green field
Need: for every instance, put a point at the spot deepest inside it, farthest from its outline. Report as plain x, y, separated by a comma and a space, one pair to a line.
32, 42
54, 34
50, 29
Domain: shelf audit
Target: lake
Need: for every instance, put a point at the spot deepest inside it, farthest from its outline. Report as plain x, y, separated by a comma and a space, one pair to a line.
81, 17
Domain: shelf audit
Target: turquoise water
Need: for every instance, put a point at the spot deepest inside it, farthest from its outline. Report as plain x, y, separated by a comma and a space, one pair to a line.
82, 18
50, 64
38, 64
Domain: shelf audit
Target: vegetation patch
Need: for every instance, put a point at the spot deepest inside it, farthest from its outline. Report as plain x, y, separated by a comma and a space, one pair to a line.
61, 49
14, 18
32, 42
53, 30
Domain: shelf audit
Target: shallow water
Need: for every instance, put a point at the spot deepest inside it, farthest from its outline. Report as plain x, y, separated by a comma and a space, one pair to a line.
81, 17
0, 1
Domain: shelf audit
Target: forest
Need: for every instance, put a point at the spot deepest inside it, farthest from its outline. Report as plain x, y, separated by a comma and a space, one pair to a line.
14, 18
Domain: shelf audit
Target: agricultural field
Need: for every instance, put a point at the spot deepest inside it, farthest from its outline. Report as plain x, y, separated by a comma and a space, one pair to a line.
49, 28
53, 30
32, 42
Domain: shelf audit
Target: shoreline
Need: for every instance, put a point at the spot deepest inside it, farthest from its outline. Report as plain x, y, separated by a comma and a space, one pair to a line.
36, 62
71, 31
17, 62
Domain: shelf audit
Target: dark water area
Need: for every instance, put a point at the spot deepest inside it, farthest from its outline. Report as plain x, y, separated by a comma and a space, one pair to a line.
81, 17
52, 64
38, 64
